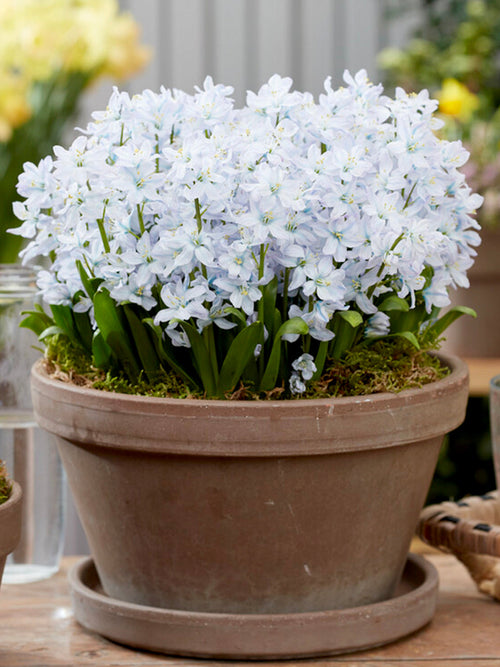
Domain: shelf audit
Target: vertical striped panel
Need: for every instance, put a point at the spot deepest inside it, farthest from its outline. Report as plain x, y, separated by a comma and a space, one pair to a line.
185, 43
230, 42
243, 42
320, 28
361, 31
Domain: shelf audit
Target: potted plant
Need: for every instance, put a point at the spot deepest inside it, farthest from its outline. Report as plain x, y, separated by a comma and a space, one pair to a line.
219, 281
10, 516
454, 53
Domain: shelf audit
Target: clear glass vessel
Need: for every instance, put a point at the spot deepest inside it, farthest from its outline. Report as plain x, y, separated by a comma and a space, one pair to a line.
29, 453
495, 424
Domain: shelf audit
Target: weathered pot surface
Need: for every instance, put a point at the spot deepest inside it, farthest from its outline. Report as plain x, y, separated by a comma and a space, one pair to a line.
250, 507
10, 524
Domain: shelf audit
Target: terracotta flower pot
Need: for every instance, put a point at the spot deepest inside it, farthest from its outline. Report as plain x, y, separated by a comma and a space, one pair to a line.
10, 524
250, 507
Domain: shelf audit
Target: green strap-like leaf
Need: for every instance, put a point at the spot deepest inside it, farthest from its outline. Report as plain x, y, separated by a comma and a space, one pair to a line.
448, 318
63, 318
239, 354
346, 327
231, 310
143, 343
269, 294
409, 336
394, 302
36, 320
53, 330
90, 285
352, 317
111, 325
165, 354
295, 325
320, 359
409, 320
84, 329
202, 359
102, 354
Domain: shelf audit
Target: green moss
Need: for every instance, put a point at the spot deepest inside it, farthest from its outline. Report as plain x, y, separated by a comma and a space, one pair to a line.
64, 357
5, 484
384, 366
67, 356
166, 385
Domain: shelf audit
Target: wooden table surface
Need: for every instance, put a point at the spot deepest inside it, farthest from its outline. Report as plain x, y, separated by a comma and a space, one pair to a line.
480, 373
37, 629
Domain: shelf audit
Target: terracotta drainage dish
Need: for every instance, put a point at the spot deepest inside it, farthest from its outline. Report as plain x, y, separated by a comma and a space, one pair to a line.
257, 636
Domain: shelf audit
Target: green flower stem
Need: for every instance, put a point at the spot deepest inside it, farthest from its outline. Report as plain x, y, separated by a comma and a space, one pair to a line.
370, 291
141, 219
102, 231
209, 338
157, 161
286, 282
197, 216
407, 202
199, 223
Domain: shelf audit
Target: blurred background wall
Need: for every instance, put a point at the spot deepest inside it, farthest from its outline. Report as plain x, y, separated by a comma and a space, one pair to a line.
243, 42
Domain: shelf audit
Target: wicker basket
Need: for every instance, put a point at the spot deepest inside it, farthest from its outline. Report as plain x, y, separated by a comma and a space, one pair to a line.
469, 529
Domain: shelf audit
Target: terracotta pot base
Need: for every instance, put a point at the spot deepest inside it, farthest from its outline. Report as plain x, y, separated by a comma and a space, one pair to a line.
10, 524
257, 636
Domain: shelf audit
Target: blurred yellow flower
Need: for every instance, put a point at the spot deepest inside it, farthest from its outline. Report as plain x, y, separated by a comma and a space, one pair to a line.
455, 99
14, 108
41, 39
50, 51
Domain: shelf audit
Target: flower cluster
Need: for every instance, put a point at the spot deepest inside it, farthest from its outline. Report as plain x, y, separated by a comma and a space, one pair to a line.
316, 221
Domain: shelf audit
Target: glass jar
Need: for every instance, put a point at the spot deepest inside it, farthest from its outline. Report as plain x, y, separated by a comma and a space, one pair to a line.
29, 453
495, 424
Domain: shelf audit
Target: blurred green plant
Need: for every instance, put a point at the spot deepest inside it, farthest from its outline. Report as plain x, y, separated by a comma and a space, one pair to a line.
454, 53
50, 52
465, 465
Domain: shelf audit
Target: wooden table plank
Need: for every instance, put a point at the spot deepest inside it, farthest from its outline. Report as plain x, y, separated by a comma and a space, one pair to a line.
37, 629
481, 371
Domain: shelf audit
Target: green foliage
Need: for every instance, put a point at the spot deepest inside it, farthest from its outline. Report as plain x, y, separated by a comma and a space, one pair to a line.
69, 357
5, 484
129, 351
390, 365
382, 365
465, 465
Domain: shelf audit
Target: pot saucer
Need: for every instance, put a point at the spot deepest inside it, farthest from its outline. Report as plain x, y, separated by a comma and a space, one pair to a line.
256, 636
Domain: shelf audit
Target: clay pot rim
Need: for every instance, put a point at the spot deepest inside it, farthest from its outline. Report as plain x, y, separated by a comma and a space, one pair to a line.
14, 498
10, 517
234, 428
458, 367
